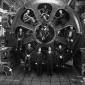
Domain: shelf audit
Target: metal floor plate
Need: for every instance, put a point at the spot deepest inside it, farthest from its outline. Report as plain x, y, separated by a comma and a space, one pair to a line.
60, 78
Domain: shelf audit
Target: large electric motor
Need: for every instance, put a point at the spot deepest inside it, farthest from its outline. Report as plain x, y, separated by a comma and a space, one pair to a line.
47, 32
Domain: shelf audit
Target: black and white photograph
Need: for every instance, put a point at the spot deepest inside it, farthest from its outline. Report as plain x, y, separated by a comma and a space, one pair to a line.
42, 42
